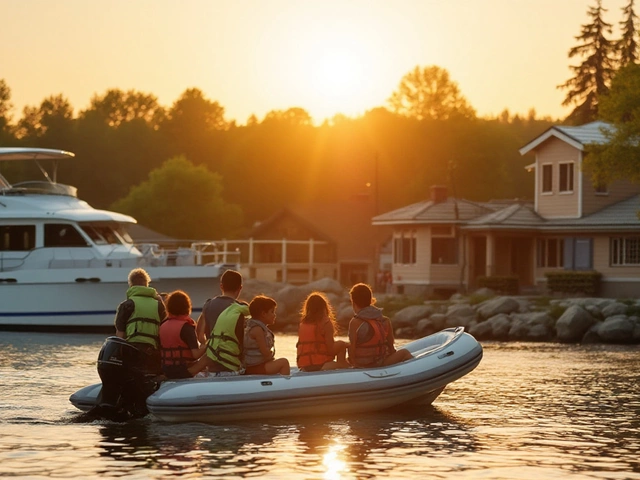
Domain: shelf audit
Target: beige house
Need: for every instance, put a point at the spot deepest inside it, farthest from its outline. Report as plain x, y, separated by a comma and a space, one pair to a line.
444, 244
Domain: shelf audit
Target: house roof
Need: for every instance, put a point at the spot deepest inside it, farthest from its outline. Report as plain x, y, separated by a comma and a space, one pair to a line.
578, 137
619, 216
450, 210
514, 215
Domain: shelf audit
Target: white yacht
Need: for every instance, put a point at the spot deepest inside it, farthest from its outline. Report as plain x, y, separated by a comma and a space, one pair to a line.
64, 264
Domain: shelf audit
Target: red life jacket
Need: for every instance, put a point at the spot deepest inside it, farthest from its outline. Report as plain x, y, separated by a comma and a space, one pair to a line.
312, 345
174, 351
372, 352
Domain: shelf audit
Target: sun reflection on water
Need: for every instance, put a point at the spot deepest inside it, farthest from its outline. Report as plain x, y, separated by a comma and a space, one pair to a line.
333, 464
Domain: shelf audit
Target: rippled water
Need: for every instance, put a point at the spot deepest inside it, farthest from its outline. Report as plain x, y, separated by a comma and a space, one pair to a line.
528, 411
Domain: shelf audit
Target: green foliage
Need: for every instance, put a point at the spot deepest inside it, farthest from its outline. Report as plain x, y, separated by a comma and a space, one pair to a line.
183, 201
619, 157
507, 285
555, 311
633, 310
574, 282
429, 94
592, 77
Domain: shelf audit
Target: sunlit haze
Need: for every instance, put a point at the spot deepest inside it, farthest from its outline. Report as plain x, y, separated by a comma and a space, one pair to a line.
327, 57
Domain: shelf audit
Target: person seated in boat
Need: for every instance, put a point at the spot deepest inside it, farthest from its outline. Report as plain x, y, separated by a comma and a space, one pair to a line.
316, 348
178, 343
259, 341
230, 288
223, 353
371, 333
138, 318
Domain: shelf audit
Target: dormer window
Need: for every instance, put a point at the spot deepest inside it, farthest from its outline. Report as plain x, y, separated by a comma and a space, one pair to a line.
566, 177
547, 178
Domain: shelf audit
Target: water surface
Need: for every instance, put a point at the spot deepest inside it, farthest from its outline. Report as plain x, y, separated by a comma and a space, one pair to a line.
528, 411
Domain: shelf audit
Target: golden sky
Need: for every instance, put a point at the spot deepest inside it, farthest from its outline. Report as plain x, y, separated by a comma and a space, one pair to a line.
326, 56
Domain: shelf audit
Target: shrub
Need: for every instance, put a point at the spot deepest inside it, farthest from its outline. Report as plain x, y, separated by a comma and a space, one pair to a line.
571, 281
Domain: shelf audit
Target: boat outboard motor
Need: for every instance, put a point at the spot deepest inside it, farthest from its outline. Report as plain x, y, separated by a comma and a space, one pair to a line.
128, 377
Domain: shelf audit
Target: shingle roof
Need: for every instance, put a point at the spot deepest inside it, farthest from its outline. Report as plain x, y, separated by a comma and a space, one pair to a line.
578, 137
429, 211
514, 215
622, 215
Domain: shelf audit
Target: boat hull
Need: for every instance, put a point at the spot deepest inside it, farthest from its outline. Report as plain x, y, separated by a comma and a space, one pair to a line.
87, 299
440, 359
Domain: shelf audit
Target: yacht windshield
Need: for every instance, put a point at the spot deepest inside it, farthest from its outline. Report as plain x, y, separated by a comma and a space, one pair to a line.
103, 234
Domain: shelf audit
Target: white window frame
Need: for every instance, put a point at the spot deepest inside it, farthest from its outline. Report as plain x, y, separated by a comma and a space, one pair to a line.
624, 251
542, 176
400, 241
568, 185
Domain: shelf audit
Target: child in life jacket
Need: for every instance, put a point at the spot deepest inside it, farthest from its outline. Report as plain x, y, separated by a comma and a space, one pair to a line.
371, 333
316, 347
178, 344
259, 340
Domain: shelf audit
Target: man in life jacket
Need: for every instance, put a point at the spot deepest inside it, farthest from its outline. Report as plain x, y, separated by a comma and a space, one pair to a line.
179, 345
230, 288
226, 343
371, 333
138, 318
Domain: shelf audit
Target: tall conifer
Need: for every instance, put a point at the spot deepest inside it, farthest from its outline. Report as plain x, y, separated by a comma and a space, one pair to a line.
592, 77
628, 45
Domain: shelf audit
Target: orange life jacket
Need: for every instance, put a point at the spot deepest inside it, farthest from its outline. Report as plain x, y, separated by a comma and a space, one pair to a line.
312, 345
174, 350
372, 352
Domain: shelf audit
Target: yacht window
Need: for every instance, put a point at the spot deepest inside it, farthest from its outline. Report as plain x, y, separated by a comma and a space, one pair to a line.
101, 234
17, 238
122, 231
62, 235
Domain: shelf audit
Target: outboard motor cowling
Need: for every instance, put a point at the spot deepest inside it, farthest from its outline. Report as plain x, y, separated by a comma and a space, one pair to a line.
128, 377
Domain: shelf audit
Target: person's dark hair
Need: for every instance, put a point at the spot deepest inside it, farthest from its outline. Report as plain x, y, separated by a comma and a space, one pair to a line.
261, 304
361, 295
231, 281
315, 308
178, 303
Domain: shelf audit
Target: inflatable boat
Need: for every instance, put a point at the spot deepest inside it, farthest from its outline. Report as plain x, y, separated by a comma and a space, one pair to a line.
439, 359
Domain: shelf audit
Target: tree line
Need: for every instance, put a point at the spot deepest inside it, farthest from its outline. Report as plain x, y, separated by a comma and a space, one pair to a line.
186, 171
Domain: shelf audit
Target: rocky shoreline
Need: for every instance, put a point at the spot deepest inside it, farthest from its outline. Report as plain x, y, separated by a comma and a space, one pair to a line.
484, 315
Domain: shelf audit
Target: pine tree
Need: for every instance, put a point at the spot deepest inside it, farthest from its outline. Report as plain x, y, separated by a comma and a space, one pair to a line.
593, 75
627, 45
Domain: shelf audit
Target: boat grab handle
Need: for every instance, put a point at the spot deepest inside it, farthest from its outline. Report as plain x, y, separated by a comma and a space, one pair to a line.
446, 354
382, 374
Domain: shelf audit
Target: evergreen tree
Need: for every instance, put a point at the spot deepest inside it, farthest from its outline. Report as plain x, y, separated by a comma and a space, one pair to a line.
593, 75
627, 45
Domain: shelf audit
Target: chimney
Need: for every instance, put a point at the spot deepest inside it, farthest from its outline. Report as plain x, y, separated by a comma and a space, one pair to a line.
438, 193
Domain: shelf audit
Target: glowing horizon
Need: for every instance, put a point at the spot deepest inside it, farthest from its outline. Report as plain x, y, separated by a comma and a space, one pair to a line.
330, 57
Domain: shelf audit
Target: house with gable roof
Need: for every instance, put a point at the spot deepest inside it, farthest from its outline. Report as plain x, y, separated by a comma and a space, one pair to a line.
445, 244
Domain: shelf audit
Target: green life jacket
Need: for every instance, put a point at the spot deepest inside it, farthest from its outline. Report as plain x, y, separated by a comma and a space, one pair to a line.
224, 346
144, 324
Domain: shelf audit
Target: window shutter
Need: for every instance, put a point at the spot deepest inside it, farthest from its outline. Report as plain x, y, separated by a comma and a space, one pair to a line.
568, 253
583, 256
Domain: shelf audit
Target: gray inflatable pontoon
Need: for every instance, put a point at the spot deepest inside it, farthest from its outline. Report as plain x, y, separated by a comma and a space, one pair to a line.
439, 359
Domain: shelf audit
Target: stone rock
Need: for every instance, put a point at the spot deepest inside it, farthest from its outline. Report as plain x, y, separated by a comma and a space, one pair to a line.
613, 309
457, 298
438, 320
461, 310
573, 324
592, 335
500, 326
498, 305
617, 329
459, 321
325, 285
425, 327
482, 330
484, 292
411, 315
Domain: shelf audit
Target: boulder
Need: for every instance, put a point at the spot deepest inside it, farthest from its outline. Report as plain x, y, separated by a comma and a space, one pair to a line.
494, 306
614, 309
617, 329
573, 324
411, 315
